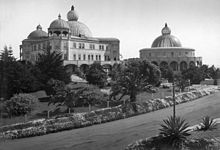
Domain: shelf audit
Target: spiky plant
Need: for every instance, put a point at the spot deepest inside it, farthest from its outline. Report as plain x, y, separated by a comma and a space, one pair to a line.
174, 132
207, 123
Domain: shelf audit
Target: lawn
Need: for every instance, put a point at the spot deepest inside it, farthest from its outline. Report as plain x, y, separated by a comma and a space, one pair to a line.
41, 109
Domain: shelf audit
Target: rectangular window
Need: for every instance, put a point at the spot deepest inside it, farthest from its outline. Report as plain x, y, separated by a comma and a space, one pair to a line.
74, 56
74, 45
172, 54
80, 45
83, 46
92, 57
65, 56
84, 57
149, 54
99, 57
96, 57
101, 47
88, 57
79, 57
92, 46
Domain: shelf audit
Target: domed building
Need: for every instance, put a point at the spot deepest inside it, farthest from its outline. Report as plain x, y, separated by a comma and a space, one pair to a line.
74, 39
167, 50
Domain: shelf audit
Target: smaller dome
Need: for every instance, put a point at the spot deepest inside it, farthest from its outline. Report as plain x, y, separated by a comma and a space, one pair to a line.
72, 15
59, 24
166, 39
38, 33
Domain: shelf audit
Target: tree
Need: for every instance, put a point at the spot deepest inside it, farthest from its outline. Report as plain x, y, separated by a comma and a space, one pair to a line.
132, 77
6, 57
96, 75
194, 74
50, 64
73, 94
166, 73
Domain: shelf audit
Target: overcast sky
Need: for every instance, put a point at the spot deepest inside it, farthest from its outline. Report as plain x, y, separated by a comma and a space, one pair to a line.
135, 22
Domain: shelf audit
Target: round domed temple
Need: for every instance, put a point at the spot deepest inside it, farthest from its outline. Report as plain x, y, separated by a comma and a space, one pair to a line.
167, 50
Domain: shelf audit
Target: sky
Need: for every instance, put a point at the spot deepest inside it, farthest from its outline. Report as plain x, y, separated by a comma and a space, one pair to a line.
136, 23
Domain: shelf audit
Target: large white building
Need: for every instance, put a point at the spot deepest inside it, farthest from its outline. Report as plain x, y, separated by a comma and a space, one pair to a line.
74, 39
166, 50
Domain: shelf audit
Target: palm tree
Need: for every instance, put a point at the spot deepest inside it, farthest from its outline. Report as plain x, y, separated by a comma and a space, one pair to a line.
174, 132
50, 64
132, 77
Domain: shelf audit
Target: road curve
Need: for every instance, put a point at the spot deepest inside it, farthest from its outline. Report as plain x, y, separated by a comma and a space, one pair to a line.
118, 134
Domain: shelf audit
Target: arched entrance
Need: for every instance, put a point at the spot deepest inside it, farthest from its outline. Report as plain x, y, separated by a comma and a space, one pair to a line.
174, 66
183, 66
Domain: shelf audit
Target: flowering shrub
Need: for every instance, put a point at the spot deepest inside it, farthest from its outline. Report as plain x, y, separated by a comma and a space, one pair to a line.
20, 104
77, 120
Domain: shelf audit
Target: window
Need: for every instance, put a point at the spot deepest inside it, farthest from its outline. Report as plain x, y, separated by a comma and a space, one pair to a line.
101, 47
74, 56
74, 45
96, 57
186, 53
92, 46
172, 54
79, 57
65, 56
84, 57
149, 54
92, 57
81, 46
99, 57
88, 57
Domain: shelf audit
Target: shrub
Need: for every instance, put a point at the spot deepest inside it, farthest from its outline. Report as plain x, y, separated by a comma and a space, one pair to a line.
174, 132
207, 124
20, 104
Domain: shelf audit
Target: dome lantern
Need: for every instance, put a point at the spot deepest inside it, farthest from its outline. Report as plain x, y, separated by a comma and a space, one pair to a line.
72, 15
166, 30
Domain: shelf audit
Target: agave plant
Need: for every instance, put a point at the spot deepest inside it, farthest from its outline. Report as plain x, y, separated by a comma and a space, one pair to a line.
174, 132
207, 123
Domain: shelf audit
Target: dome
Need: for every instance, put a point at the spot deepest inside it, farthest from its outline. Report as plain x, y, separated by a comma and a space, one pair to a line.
77, 28
59, 24
38, 33
166, 39
72, 15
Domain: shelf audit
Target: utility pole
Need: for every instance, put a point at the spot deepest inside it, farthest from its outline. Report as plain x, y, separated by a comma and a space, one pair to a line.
174, 101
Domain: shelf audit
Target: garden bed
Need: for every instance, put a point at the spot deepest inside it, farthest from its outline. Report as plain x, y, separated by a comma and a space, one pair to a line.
78, 120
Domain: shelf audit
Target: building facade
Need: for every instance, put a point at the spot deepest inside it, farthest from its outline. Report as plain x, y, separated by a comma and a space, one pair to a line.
166, 50
74, 39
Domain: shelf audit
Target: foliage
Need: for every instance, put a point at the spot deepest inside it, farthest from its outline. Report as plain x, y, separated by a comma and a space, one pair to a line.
20, 104
16, 77
166, 73
74, 94
96, 75
180, 82
50, 64
198, 74
174, 131
207, 123
132, 77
